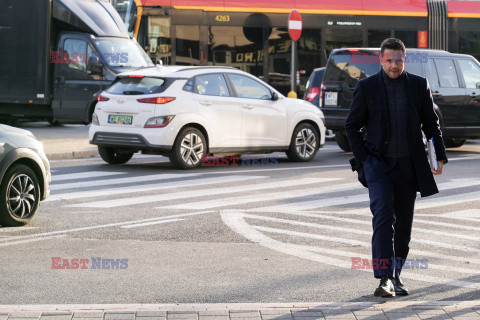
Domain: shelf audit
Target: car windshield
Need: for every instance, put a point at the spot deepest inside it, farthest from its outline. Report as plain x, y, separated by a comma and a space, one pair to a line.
122, 53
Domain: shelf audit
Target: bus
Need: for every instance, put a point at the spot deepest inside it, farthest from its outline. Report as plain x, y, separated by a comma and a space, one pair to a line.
252, 35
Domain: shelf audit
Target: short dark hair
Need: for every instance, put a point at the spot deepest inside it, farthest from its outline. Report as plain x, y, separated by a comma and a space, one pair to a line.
392, 44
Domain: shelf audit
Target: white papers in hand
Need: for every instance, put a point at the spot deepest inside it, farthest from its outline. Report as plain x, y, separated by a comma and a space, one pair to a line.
432, 156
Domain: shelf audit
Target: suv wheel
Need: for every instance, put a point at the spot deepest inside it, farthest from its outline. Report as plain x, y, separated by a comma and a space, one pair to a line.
19, 196
189, 149
342, 141
112, 156
304, 144
454, 143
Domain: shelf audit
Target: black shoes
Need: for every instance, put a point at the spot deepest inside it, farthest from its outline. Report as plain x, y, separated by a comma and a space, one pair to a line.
400, 289
386, 288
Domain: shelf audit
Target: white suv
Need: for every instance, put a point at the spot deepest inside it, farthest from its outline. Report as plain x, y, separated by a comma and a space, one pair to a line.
189, 112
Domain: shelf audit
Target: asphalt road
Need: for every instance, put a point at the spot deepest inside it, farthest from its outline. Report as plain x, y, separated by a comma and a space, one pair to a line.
270, 231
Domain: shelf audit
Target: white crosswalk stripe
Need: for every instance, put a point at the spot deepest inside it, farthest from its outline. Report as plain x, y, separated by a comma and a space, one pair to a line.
323, 219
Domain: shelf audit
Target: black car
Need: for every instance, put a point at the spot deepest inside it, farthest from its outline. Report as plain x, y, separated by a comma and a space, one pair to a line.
454, 80
314, 87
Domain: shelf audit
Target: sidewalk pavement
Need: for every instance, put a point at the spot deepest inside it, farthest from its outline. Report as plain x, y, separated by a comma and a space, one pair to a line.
388, 310
70, 141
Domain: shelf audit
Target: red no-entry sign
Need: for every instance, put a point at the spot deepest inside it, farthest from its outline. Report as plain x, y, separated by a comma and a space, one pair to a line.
295, 25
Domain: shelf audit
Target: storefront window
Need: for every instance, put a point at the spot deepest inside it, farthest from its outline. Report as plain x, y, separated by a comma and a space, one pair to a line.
187, 45
469, 43
376, 37
159, 44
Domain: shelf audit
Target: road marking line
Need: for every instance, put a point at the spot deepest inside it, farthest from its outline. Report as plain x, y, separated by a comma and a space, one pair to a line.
369, 223
15, 229
150, 187
109, 182
346, 220
6, 244
198, 193
83, 175
235, 221
116, 224
240, 200
150, 223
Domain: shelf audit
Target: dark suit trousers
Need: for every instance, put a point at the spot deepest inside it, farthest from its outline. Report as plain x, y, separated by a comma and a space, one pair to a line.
392, 186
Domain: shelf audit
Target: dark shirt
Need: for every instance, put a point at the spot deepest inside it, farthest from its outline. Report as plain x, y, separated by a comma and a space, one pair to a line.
397, 111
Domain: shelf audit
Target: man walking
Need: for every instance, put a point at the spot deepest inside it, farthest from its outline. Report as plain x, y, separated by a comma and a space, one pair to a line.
393, 107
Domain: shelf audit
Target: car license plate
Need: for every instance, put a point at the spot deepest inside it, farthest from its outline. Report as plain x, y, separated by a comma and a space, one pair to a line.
331, 98
119, 119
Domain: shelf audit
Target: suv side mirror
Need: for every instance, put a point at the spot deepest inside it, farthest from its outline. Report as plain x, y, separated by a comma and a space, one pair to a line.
274, 96
478, 85
95, 66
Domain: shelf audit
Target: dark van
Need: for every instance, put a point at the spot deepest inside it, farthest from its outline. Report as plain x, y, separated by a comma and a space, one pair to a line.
454, 80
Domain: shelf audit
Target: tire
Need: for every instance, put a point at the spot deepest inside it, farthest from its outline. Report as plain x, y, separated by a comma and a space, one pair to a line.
342, 141
454, 143
304, 143
189, 148
111, 155
19, 196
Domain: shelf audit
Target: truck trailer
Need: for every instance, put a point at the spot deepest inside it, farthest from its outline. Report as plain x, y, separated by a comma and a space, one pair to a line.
57, 55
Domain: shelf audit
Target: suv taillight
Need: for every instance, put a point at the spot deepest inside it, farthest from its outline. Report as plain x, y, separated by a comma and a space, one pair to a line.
320, 102
157, 100
311, 94
102, 98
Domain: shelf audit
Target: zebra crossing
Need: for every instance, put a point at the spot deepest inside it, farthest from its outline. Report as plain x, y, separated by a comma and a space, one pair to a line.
315, 217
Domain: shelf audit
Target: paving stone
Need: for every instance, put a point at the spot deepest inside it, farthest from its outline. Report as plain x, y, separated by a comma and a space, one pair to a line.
80, 318
182, 315
340, 317
402, 317
214, 313
25, 314
430, 312
151, 318
150, 314
22, 318
88, 314
435, 317
214, 318
57, 313
372, 317
309, 318
63, 317
119, 316
462, 313
308, 314
277, 317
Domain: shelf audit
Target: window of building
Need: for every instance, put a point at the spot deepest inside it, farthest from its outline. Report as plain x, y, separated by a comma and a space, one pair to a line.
187, 45
469, 43
376, 37
343, 38
409, 38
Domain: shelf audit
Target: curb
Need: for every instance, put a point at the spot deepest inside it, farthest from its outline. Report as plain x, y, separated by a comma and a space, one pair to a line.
73, 154
294, 307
